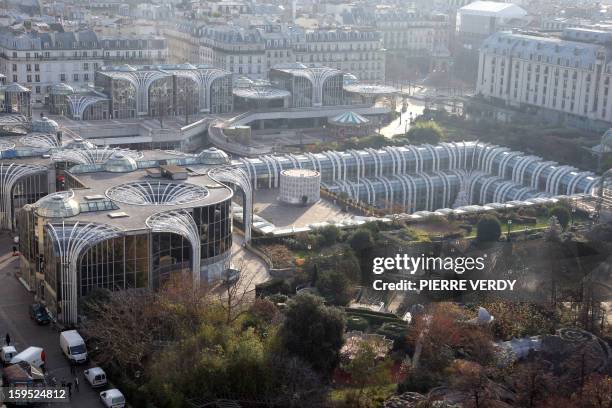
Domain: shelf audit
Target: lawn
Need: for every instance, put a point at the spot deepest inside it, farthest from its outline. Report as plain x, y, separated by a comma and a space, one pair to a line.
378, 393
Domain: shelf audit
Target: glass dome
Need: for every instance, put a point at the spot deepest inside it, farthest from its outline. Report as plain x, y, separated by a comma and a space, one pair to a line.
16, 88
120, 163
213, 156
58, 205
45, 125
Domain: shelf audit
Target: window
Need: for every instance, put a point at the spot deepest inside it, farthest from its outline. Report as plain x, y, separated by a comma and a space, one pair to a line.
62, 77
37, 89
75, 77
85, 77
14, 67
36, 67
29, 78
86, 66
37, 78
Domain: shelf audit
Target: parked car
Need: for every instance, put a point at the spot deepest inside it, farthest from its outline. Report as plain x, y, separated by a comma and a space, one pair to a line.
6, 354
35, 356
112, 398
39, 314
73, 346
95, 376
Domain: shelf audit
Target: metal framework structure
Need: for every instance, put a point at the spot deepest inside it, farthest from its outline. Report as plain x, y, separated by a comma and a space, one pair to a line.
180, 222
12, 122
203, 79
239, 177
142, 81
603, 195
261, 92
156, 193
96, 155
40, 140
6, 145
393, 173
10, 174
316, 75
78, 103
71, 240
370, 89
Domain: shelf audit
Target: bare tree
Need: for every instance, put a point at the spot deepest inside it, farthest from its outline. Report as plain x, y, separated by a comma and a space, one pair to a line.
237, 293
123, 329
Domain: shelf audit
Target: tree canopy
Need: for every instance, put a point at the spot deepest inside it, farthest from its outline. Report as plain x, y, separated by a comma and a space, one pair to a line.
361, 240
313, 332
562, 214
425, 132
488, 229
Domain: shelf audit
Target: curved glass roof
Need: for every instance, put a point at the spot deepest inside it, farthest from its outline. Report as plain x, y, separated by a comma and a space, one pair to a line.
370, 89
156, 193
61, 89
261, 92
95, 155
213, 156
6, 145
15, 87
39, 140
120, 163
45, 125
58, 205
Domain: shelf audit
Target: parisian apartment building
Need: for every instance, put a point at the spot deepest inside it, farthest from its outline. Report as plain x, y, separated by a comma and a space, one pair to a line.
568, 75
39, 60
254, 50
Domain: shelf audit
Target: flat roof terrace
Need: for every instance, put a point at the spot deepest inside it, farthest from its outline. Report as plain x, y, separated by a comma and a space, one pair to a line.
267, 206
139, 196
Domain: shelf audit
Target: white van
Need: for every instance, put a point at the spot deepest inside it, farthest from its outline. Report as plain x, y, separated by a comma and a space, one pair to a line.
95, 376
112, 398
7, 353
35, 356
73, 346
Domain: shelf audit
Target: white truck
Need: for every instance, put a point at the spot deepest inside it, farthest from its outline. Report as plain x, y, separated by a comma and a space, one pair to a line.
6, 354
35, 356
73, 346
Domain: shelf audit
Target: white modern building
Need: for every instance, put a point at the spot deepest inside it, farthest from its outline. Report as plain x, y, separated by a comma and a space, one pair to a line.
300, 186
483, 18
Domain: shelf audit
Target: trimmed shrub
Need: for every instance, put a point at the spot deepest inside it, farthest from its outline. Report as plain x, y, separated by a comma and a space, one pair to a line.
272, 287
356, 323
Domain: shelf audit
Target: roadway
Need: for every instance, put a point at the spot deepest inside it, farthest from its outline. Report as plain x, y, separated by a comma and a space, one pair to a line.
15, 319
253, 269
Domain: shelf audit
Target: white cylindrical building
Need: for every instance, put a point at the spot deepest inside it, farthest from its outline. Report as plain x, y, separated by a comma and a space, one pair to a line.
300, 186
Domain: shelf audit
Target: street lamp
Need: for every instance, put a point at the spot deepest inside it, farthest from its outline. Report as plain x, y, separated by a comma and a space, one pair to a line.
573, 215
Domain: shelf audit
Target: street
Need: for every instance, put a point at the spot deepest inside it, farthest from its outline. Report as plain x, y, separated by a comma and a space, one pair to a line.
24, 332
401, 124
